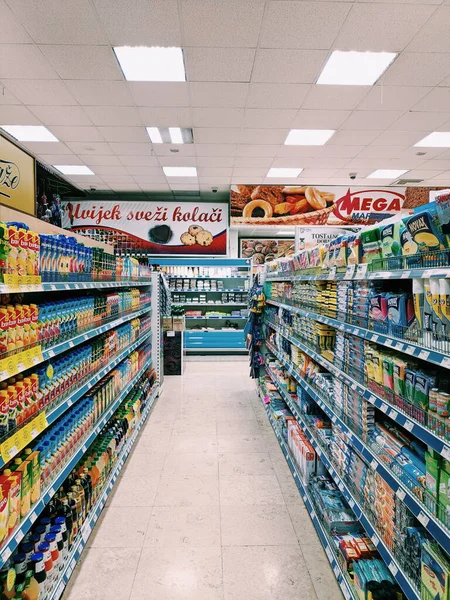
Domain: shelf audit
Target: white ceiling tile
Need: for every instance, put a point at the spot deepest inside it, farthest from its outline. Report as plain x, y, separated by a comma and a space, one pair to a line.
368, 163
126, 187
437, 100
218, 94
219, 64
216, 135
84, 181
254, 173
178, 161
253, 161
77, 134
367, 119
184, 187
154, 187
302, 24
420, 121
423, 174
111, 178
348, 137
166, 116
217, 117
298, 151
381, 152
338, 97
382, 27
214, 181
294, 163
17, 115
234, 23
55, 159
137, 162
152, 176
124, 134
417, 69
320, 119
443, 155
24, 61
180, 180
258, 151
214, 171
318, 174
411, 155
6, 97
399, 138
56, 148
338, 151
167, 149
62, 115
103, 93
113, 115
90, 148
269, 118
149, 93
276, 95
98, 159
140, 22
215, 161
12, 30
215, 149
328, 163
48, 22
44, 92
263, 136
83, 62
436, 164
433, 37
110, 170
440, 181
288, 66
122, 148
388, 97
151, 169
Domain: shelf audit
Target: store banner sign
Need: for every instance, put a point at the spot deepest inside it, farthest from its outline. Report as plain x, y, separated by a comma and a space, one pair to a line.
17, 177
169, 228
308, 237
262, 250
308, 205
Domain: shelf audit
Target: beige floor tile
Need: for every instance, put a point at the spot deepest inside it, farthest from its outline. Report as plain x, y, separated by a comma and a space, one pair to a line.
180, 526
233, 413
193, 444
266, 573
179, 573
194, 426
120, 527
249, 490
149, 444
241, 443
234, 427
133, 491
248, 463
200, 464
187, 491
144, 465
104, 574
256, 526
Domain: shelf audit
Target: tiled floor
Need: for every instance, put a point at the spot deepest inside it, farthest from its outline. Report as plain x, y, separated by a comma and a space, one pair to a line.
206, 508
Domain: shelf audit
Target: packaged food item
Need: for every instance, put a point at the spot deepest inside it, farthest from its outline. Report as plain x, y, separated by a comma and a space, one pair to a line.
425, 229
13, 482
444, 301
400, 311
409, 247
390, 240
427, 306
371, 247
443, 213
436, 324
418, 297
399, 368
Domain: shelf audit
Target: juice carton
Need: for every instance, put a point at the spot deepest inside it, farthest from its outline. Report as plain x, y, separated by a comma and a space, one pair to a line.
4, 511
13, 254
4, 410
4, 326
4, 249
12, 413
13, 481
26, 325
12, 324
22, 257
25, 488
20, 320
32, 459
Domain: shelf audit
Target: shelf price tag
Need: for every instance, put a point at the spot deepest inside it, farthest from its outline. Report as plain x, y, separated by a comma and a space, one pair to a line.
332, 273
423, 354
393, 414
409, 425
445, 362
446, 452
422, 517
329, 553
10, 447
350, 271
400, 493
393, 568
361, 271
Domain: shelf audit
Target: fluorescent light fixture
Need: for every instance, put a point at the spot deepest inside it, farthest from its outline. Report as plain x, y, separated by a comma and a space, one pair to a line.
437, 139
387, 173
180, 171
176, 135
308, 137
29, 133
74, 169
355, 68
142, 63
154, 135
283, 172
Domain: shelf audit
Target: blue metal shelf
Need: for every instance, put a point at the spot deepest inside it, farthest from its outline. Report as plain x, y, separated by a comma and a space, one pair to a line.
410, 592
360, 272
213, 304
428, 520
87, 527
201, 290
244, 276
48, 494
410, 348
70, 285
393, 412
227, 317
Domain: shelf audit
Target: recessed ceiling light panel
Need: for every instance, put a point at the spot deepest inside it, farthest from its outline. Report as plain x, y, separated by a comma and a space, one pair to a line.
170, 135
437, 139
308, 137
283, 172
180, 171
74, 169
355, 68
387, 174
143, 63
29, 133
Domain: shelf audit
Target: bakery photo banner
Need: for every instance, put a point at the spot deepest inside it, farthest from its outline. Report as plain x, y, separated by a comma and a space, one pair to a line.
263, 250
319, 205
169, 228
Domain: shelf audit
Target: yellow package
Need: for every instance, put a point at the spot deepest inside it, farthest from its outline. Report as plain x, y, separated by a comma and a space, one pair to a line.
32, 460
25, 487
13, 482
4, 511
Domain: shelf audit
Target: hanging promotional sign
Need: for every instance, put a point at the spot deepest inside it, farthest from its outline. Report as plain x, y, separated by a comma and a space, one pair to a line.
169, 228
308, 237
264, 250
308, 205
17, 177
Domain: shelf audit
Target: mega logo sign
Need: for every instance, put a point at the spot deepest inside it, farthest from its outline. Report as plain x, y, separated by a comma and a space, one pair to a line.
364, 206
162, 228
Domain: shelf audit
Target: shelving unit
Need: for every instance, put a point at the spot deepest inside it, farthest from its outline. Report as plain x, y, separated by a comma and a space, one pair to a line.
233, 278
279, 328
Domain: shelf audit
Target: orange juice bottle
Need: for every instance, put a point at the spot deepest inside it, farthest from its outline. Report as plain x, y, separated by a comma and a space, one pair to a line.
19, 325
12, 325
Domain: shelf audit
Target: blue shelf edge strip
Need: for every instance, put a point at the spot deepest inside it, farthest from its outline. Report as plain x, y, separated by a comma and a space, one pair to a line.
386, 555
353, 274
70, 285
393, 412
410, 348
90, 522
48, 494
426, 518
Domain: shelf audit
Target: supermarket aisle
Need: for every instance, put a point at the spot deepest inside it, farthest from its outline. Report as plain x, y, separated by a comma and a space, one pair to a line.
206, 508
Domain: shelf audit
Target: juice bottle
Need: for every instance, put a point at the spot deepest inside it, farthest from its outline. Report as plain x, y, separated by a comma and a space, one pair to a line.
39, 572
31, 588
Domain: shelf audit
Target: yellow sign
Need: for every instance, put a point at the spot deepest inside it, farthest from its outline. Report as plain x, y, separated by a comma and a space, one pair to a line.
17, 177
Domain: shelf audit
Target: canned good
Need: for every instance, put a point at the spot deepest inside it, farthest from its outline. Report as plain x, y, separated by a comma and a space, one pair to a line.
433, 396
443, 400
